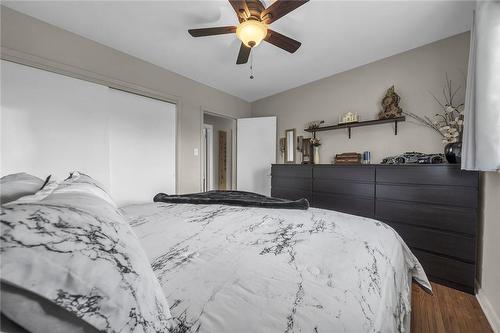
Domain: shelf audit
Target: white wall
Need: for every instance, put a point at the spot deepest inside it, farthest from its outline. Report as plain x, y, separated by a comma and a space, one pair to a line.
53, 124
415, 74
32, 41
489, 249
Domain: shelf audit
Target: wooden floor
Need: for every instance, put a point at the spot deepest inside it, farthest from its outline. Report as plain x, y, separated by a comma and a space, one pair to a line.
448, 310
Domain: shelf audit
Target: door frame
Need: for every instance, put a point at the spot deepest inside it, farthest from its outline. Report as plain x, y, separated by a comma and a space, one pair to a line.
207, 157
234, 153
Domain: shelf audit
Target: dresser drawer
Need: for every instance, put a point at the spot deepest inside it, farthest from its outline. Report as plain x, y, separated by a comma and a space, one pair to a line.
332, 186
294, 183
440, 195
292, 170
352, 205
427, 174
455, 219
352, 173
458, 246
447, 269
290, 194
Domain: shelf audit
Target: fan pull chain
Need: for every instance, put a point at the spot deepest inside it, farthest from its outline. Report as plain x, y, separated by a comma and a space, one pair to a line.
251, 66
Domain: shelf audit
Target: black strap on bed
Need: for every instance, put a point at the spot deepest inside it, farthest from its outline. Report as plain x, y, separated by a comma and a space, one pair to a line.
233, 198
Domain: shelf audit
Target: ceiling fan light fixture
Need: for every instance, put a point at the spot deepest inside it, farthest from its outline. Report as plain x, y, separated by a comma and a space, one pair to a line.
251, 32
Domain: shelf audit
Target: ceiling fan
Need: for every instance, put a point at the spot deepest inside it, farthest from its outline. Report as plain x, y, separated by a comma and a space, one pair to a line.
254, 20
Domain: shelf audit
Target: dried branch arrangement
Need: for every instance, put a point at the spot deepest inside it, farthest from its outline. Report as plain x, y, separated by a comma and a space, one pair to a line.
448, 123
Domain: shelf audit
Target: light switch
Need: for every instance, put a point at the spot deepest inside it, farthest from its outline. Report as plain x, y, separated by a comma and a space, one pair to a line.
195, 152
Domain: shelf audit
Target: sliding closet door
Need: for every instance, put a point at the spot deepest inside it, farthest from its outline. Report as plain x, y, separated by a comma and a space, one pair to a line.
141, 147
52, 124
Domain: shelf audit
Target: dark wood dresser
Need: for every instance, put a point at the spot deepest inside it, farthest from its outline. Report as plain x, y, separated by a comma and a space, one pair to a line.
433, 207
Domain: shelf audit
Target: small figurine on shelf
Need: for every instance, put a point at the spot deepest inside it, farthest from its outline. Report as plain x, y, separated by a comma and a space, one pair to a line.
349, 117
390, 105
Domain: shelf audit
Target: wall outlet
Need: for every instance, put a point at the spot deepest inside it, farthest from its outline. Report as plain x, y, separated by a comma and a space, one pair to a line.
195, 152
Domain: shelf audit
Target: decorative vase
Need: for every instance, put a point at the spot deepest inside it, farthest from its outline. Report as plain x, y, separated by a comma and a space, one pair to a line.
453, 152
316, 154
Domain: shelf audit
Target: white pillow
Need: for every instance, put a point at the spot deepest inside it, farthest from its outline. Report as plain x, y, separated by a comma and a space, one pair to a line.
48, 188
74, 190
79, 188
15, 186
74, 248
38, 315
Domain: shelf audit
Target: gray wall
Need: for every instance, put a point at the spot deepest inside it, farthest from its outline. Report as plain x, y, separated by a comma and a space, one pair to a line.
415, 74
31, 41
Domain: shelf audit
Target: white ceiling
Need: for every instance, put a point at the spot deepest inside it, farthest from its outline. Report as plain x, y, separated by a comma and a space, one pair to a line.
335, 35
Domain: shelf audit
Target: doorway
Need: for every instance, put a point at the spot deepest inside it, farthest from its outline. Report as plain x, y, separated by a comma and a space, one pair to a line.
218, 152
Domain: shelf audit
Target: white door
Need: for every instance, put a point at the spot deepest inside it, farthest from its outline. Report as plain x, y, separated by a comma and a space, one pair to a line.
142, 134
52, 124
256, 151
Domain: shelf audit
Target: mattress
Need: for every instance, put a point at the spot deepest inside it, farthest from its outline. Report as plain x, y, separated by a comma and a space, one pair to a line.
241, 269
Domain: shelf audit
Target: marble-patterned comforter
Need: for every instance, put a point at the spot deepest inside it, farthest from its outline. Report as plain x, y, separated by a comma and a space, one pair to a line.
240, 269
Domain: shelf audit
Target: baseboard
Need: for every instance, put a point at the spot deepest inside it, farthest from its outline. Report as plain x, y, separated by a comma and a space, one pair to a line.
489, 312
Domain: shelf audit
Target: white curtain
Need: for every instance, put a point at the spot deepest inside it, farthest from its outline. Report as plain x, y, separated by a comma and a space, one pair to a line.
481, 137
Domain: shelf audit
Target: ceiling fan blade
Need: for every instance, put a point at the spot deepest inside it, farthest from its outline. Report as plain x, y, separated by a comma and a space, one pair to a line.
243, 54
260, 5
279, 9
255, 7
241, 9
282, 41
211, 31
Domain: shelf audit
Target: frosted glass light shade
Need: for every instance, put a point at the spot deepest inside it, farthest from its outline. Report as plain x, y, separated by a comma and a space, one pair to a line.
251, 32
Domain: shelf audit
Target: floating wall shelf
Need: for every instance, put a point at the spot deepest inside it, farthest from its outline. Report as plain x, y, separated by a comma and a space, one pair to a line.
359, 124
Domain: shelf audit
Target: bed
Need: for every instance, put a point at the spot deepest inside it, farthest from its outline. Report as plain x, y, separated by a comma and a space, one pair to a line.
243, 269
73, 262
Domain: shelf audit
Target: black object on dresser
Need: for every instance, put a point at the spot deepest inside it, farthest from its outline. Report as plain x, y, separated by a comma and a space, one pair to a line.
433, 207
